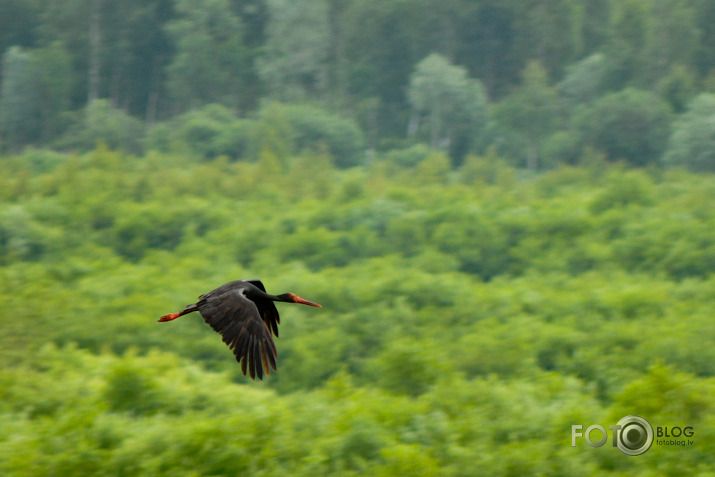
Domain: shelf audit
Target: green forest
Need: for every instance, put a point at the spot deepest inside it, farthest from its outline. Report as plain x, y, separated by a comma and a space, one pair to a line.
539, 82
504, 207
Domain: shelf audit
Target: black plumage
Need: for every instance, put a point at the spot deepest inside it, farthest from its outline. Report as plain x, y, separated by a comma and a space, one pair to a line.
244, 314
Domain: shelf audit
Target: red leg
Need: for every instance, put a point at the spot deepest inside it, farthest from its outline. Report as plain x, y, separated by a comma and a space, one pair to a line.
170, 316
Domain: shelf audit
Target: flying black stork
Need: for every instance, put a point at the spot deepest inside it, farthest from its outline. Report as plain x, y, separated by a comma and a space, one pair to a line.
244, 314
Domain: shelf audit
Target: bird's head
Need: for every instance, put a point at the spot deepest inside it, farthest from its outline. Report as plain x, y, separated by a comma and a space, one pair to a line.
293, 298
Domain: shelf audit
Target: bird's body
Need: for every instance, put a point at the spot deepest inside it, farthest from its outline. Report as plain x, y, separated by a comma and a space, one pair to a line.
245, 316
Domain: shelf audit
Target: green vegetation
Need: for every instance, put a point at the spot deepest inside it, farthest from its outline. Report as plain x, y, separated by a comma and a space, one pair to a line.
467, 322
541, 83
505, 207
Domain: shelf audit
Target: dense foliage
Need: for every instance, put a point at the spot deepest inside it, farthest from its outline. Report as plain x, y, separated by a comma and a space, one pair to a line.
470, 317
543, 82
489, 198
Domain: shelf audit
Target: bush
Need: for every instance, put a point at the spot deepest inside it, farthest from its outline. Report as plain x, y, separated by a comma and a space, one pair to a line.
625, 189
141, 228
99, 122
630, 125
21, 238
409, 156
207, 133
131, 389
692, 144
317, 130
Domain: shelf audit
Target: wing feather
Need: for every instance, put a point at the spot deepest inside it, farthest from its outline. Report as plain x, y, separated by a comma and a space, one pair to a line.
269, 314
256, 359
266, 308
242, 327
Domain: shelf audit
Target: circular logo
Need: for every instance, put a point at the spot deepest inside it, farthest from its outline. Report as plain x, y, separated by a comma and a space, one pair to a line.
635, 435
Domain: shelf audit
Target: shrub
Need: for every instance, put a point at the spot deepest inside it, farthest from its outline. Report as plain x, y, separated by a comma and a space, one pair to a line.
315, 129
631, 125
692, 144
99, 122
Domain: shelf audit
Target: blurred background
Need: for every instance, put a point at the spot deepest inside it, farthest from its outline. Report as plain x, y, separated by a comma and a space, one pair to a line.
505, 208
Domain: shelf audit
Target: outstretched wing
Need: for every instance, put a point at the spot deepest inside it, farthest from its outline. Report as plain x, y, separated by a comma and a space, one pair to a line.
238, 320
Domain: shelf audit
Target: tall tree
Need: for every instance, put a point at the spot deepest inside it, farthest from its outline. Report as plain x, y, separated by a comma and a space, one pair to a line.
550, 32
454, 104
433, 25
53, 82
532, 111
596, 23
34, 93
705, 53
210, 59
95, 46
297, 48
584, 80
18, 23
631, 125
626, 46
692, 143
487, 44
18, 99
135, 50
672, 38
117, 49
68, 21
379, 49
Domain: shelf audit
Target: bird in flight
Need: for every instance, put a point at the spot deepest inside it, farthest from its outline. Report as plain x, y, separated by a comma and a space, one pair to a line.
244, 314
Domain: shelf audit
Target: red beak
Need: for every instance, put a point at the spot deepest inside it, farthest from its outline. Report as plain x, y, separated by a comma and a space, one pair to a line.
303, 301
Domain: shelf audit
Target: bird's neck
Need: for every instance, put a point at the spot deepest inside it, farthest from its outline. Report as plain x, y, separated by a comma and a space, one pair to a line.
286, 297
